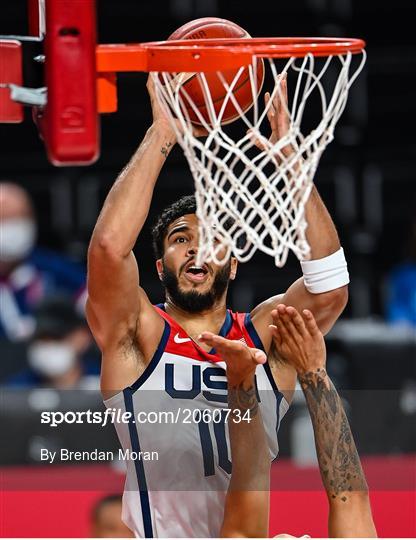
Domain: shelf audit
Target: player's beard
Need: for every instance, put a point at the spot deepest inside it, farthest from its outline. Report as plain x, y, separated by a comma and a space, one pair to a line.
194, 301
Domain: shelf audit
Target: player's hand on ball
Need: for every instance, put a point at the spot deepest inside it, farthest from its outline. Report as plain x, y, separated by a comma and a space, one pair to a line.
298, 339
241, 360
160, 117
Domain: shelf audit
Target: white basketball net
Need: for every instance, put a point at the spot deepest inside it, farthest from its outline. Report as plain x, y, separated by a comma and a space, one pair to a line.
263, 190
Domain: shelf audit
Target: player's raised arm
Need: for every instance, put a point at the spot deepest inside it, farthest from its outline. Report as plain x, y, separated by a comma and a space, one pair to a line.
117, 307
299, 342
246, 512
323, 287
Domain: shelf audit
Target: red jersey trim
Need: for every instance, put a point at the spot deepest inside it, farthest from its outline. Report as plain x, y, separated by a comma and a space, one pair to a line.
181, 344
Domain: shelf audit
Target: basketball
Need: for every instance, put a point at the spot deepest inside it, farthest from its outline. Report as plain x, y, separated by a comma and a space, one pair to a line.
211, 28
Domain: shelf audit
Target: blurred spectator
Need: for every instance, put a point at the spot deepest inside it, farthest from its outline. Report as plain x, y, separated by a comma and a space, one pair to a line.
27, 272
61, 353
401, 286
106, 519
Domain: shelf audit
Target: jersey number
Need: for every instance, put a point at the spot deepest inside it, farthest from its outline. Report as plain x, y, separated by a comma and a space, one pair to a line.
208, 447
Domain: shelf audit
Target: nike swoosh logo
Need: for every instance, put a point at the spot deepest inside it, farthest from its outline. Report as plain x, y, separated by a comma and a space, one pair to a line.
178, 339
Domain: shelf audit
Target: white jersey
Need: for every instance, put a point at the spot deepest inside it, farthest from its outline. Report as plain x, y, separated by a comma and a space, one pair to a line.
177, 484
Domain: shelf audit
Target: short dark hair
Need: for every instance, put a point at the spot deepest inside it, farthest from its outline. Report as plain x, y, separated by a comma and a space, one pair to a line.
184, 205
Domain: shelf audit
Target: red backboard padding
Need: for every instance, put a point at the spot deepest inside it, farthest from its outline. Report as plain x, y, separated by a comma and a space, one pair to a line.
10, 72
35, 12
69, 125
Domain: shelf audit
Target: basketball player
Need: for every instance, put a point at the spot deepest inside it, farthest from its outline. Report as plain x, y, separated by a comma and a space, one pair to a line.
156, 348
300, 343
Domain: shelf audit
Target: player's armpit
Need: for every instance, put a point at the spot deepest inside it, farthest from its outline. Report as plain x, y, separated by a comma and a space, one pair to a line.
127, 351
122, 364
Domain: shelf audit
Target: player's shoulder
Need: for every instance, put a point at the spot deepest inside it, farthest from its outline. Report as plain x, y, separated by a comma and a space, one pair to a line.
257, 322
160, 310
266, 306
256, 315
241, 329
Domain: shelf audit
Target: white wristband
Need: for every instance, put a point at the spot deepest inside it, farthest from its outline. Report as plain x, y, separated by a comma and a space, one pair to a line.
325, 274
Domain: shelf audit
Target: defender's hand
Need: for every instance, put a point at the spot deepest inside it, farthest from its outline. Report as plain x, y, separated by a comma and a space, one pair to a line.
298, 339
241, 360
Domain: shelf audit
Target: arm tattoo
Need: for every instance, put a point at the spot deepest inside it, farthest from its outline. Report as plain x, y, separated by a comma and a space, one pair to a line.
244, 400
338, 458
165, 149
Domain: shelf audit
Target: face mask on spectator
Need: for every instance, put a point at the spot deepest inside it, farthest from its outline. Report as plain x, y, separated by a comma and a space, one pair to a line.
17, 238
51, 359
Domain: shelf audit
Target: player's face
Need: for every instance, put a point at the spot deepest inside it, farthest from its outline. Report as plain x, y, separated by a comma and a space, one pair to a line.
193, 288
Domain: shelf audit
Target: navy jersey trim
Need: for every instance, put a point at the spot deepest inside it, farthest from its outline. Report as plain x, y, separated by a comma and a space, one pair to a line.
138, 464
154, 361
248, 323
279, 397
225, 328
227, 324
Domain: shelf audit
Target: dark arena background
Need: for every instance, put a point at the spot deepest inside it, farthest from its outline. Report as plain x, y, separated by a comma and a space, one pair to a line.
366, 178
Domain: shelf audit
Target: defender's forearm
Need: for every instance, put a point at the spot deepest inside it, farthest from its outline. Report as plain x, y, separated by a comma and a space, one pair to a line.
338, 458
249, 451
339, 463
325, 275
128, 202
250, 479
321, 233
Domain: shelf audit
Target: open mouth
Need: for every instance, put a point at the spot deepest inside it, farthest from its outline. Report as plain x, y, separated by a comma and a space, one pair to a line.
196, 273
